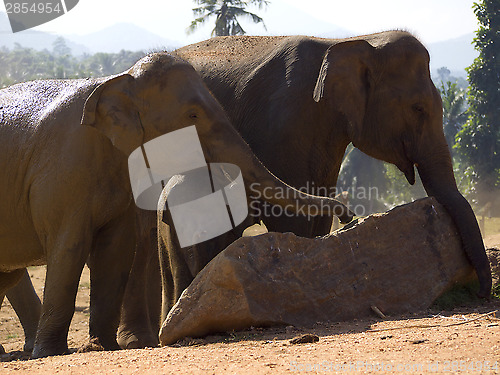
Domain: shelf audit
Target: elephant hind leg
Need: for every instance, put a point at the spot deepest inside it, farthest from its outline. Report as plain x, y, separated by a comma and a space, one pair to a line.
7, 281
135, 330
28, 307
110, 262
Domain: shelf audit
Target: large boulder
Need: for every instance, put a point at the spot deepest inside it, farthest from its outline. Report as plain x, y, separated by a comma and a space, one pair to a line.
398, 261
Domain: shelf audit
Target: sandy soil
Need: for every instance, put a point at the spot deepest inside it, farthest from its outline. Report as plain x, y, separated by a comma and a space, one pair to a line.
463, 340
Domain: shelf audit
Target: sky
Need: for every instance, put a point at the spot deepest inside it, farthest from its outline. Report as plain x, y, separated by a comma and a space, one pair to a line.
430, 20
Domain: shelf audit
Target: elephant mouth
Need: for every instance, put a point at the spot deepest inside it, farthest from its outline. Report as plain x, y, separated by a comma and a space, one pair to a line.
410, 174
408, 168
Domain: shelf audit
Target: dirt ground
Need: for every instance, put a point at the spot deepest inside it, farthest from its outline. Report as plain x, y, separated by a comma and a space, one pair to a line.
464, 340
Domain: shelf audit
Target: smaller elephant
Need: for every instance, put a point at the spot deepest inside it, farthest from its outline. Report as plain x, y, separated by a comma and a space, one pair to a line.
65, 187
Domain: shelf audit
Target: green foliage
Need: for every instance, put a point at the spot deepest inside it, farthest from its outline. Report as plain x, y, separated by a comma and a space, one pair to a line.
466, 179
458, 296
495, 291
454, 116
226, 14
478, 143
26, 64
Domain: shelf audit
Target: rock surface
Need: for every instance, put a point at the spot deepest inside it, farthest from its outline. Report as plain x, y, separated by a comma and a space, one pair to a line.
398, 261
494, 258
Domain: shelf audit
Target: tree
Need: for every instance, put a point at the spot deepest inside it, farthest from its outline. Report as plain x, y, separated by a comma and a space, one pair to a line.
24, 64
454, 115
226, 14
60, 48
444, 74
478, 143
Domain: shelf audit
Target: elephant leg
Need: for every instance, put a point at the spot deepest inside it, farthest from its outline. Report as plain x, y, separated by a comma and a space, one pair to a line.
135, 330
153, 291
68, 251
7, 281
110, 262
28, 308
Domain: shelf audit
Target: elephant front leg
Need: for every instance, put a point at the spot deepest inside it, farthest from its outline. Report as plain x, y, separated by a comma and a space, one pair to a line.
110, 262
65, 260
28, 307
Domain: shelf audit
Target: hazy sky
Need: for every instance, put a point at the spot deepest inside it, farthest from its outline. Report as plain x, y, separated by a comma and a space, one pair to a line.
431, 20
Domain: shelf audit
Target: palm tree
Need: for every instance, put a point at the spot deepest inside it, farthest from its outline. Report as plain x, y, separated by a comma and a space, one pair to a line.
226, 13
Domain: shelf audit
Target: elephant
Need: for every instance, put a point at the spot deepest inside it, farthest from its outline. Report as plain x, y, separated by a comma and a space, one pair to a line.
65, 188
298, 101
28, 308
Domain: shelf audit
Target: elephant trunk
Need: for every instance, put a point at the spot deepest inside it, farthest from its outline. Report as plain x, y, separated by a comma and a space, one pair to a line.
227, 146
439, 182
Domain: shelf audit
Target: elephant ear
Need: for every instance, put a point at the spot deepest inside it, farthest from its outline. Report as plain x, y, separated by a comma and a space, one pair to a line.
111, 109
343, 80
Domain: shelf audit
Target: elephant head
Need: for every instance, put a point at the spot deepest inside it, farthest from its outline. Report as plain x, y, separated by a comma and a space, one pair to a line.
382, 87
162, 93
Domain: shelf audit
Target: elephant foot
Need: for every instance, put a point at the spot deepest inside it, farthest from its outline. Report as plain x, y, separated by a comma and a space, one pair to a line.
45, 351
136, 340
29, 344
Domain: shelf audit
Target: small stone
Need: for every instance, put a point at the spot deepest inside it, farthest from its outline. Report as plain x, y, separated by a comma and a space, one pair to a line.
92, 346
304, 339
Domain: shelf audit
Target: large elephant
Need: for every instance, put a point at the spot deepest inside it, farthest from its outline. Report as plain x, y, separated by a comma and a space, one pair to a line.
65, 188
299, 101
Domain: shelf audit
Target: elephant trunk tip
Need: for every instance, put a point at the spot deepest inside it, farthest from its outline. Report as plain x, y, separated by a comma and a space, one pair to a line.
485, 284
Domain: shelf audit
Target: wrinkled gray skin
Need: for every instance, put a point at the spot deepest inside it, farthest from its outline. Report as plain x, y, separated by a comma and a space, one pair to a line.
299, 101
65, 188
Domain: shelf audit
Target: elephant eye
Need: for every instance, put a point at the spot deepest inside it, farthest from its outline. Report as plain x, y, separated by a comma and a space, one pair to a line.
193, 116
418, 108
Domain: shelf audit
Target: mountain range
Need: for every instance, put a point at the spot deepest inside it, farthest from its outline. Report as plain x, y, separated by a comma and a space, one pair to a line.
455, 54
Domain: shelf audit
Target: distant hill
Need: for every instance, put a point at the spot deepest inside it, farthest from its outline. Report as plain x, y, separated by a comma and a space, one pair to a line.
125, 36
455, 54
33, 39
111, 39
